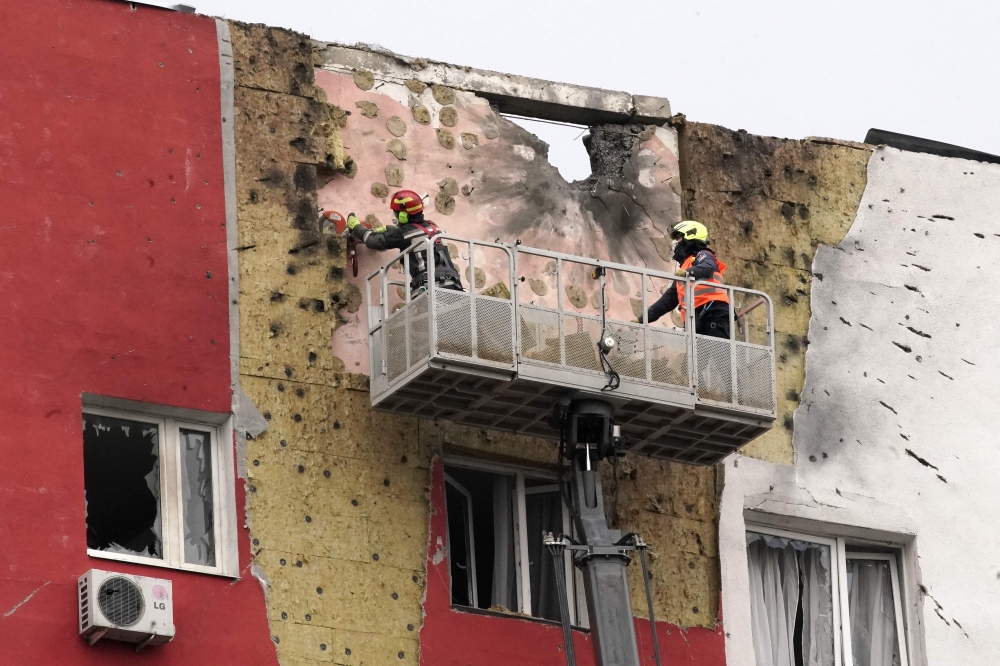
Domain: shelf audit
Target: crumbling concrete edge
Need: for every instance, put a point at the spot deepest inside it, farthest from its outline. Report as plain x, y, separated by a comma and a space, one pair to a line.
226, 83
511, 94
247, 419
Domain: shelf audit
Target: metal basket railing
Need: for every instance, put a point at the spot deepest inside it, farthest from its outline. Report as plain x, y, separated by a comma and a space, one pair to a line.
560, 335
499, 331
731, 372
431, 322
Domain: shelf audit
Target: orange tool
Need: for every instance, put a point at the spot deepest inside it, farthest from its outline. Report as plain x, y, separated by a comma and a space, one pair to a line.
339, 223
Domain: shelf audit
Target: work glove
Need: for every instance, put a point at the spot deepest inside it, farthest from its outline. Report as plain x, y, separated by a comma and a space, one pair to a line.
352, 221
680, 272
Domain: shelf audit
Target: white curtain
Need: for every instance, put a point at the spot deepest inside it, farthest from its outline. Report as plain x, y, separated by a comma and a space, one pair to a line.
817, 606
873, 614
791, 601
504, 595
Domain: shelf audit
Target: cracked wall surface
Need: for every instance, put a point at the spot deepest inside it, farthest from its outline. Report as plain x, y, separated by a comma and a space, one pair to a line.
339, 503
770, 203
488, 178
336, 525
894, 439
508, 190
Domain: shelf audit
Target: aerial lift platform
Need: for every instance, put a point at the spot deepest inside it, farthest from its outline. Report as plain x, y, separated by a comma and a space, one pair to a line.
553, 349
496, 360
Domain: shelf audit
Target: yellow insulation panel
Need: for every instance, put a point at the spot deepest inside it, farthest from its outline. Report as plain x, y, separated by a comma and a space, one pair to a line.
769, 203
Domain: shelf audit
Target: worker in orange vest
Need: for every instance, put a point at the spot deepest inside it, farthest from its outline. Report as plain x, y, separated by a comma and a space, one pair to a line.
698, 262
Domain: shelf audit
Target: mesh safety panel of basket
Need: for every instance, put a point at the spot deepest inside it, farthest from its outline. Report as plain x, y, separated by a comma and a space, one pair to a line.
754, 379
715, 377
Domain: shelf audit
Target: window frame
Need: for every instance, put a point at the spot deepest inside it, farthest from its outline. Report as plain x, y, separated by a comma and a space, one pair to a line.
171, 487
470, 546
839, 553
897, 600
574, 578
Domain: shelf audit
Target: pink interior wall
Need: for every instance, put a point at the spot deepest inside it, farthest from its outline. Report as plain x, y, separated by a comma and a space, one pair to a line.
514, 194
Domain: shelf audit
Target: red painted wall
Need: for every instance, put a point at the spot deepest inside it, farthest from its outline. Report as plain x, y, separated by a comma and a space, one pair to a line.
455, 638
112, 281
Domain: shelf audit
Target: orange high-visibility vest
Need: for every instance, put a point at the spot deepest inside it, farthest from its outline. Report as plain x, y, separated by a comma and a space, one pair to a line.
703, 293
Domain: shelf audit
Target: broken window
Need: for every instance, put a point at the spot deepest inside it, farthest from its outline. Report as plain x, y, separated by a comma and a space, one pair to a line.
152, 490
813, 603
121, 459
497, 559
198, 497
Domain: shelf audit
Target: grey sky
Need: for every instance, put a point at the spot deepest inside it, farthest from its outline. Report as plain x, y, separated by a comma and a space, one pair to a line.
774, 67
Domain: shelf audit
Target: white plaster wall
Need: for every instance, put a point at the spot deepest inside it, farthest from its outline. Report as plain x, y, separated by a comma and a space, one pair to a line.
930, 284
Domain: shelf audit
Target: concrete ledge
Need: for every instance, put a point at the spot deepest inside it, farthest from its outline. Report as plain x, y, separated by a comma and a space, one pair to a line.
518, 95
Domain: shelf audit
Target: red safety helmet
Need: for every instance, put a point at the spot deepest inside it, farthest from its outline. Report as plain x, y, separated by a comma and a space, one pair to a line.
405, 204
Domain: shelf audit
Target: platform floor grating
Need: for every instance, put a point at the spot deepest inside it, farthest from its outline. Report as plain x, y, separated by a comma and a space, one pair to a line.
683, 433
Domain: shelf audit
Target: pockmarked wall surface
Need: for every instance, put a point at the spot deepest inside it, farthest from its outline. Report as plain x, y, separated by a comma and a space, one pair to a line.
770, 203
893, 440
113, 282
341, 504
487, 178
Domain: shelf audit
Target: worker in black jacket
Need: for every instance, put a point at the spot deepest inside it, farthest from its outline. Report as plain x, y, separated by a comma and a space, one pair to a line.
698, 262
411, 227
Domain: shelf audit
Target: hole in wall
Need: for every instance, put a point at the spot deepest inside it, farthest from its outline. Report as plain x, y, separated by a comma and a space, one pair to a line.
566, 150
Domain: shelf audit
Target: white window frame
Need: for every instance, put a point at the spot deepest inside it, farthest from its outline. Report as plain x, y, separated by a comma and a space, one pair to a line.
470, 546
574, 578
171, 488
839, 554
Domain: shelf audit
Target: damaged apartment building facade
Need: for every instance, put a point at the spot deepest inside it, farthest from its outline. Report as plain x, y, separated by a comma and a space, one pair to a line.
189, 381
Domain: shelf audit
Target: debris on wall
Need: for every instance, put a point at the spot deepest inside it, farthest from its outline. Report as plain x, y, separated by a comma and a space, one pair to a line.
337, 506
338, 494
769, 203
675, 509
496, 183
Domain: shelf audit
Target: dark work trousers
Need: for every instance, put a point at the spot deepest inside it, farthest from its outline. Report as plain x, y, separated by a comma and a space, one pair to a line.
712, 319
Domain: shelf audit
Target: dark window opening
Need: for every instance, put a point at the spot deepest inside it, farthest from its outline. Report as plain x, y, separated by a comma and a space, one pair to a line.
495, 527
121, 465
481, 539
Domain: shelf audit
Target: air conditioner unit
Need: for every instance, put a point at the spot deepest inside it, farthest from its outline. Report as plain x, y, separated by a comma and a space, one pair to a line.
134, 609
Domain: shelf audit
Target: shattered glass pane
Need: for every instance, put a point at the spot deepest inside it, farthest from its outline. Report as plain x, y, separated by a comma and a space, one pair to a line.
121, 467
196, 481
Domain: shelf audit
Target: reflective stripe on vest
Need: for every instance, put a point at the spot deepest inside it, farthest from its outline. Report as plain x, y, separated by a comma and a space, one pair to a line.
703, 293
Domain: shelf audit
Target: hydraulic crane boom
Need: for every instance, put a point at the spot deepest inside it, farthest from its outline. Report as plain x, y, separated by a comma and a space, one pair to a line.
589, 435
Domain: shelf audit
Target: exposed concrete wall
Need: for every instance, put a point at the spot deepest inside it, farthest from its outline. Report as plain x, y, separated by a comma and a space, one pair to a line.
769, 203
339, 499
894, 439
